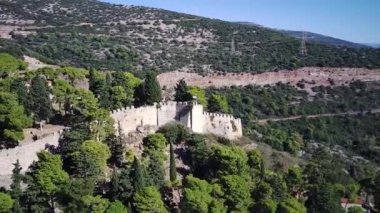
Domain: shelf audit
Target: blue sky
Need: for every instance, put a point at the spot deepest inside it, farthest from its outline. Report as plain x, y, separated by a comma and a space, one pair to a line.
353, 20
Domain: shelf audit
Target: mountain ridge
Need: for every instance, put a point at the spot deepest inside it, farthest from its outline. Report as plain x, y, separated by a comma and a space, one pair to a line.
89, 33
316, 37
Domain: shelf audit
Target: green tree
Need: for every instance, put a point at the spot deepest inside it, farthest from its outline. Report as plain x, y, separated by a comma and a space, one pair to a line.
6, 202
9, 64
84, 103
291, 205
156, 170
128, 82
294, 179
139, 176
103, 91
122, 185
149, 92
45, 179
182, 92
95, 204
262, 191
155, 143
200, 94
12, 120
62, 91
174, 133
18, 87
278, 184
173, 167
16, 191
117, 207
40, 103
236, 192
74, 73
229, 160
218, 103
92, 158
148, 199
322, 198
115, 143
254, 159
265, 206
71, 195
198, 196
119, 97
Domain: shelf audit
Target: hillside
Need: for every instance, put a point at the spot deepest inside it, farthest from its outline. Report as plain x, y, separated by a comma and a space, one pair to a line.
88, 33
322, 39
317, 38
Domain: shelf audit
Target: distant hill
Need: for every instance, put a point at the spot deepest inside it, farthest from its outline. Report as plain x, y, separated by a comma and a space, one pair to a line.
322, 39
317, 38
374, 45
89, 33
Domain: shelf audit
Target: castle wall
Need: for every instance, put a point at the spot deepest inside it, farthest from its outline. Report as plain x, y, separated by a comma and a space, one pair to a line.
222, 125
194, 118
25, 153
171, 112
131, 118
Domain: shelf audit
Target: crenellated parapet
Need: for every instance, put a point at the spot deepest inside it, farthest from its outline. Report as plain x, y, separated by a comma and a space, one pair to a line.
194, 117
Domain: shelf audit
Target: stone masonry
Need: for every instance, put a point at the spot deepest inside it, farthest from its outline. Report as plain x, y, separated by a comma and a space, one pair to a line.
191, 115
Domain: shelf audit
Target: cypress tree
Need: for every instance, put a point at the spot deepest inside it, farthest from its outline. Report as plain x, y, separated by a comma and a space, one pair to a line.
114, 186
182, 91
16, 191
40, 103
92, 80
104, 92
138, 176
173, 171
262, 170
152, 89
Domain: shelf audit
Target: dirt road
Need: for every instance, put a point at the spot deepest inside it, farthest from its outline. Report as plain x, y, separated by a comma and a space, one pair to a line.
264, 121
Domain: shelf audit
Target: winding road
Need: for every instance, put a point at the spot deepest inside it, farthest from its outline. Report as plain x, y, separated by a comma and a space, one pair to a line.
264, 121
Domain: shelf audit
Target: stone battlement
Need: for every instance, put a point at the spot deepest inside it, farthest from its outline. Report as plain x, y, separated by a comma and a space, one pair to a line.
194, 117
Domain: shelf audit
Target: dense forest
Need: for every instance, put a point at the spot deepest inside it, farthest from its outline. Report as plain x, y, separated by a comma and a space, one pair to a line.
92, 170
104, 36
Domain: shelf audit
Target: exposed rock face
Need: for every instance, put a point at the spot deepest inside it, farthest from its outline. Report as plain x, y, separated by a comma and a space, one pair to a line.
193, 117
315, 75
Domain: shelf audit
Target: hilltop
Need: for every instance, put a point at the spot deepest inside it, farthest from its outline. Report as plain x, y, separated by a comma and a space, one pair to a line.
89, 33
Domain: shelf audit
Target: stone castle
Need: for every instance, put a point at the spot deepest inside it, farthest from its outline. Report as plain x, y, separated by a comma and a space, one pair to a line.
191, 115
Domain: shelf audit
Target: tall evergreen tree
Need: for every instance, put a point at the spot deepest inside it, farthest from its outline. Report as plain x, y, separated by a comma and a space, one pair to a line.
105, 92
92, 79
156, 170
117, 150
114, 186
182, 92
40, 103
138, 175
173, 171
262, 169
149, 92
16, 191
18, 87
